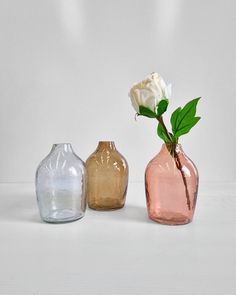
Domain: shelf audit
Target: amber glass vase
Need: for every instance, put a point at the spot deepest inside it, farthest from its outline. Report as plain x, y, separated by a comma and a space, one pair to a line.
107, 172
171, 183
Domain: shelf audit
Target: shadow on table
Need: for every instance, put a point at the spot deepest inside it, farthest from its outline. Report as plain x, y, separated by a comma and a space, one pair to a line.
20, 208
128, 213
24, 208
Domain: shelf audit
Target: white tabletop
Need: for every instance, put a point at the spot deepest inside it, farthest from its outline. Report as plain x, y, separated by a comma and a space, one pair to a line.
119, 252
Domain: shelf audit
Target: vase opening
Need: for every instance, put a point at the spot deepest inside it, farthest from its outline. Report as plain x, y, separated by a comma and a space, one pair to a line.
167, 147
109, 145
66, 147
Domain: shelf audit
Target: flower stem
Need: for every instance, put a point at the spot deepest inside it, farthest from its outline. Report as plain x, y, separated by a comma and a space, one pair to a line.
160, 120
178, 164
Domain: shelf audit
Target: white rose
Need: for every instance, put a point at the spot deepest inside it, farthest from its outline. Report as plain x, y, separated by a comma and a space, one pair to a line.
149, 92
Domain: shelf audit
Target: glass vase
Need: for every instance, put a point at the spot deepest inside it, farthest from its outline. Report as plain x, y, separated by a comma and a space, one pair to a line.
107, 173
171, 183
60, 185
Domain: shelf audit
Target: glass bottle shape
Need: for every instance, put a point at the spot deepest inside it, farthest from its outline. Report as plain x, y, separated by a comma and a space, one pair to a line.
171, 184
107, 173
60, 185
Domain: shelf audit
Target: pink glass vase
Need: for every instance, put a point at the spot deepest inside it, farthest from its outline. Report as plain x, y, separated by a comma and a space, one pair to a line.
171, 182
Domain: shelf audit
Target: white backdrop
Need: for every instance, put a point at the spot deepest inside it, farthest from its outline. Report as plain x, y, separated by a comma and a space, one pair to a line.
67, 66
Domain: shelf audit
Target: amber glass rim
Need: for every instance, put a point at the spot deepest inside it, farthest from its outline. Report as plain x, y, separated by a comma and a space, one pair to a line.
106, 141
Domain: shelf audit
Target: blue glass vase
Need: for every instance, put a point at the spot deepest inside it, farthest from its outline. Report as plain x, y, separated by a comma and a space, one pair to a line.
61, 185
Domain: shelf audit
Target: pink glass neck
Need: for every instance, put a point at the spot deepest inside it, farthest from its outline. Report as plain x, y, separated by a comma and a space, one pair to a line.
178, 148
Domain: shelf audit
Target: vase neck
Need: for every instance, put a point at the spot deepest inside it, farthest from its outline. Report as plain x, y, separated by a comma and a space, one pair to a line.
177, 147
106, 145
62, 147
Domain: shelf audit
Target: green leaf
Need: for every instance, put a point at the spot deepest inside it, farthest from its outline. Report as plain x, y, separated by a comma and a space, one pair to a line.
143, 111
182, 120
188, 125
188, 111
162, 133
162, 107
173, 119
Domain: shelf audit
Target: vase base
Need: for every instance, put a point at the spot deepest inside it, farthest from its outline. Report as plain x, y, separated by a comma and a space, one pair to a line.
170, 218
106, 208
63, 216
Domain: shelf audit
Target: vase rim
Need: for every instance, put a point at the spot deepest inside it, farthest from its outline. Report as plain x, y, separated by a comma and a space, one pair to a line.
66, 147
177, 147
62, 143
106, 141
168, 144
109, 145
